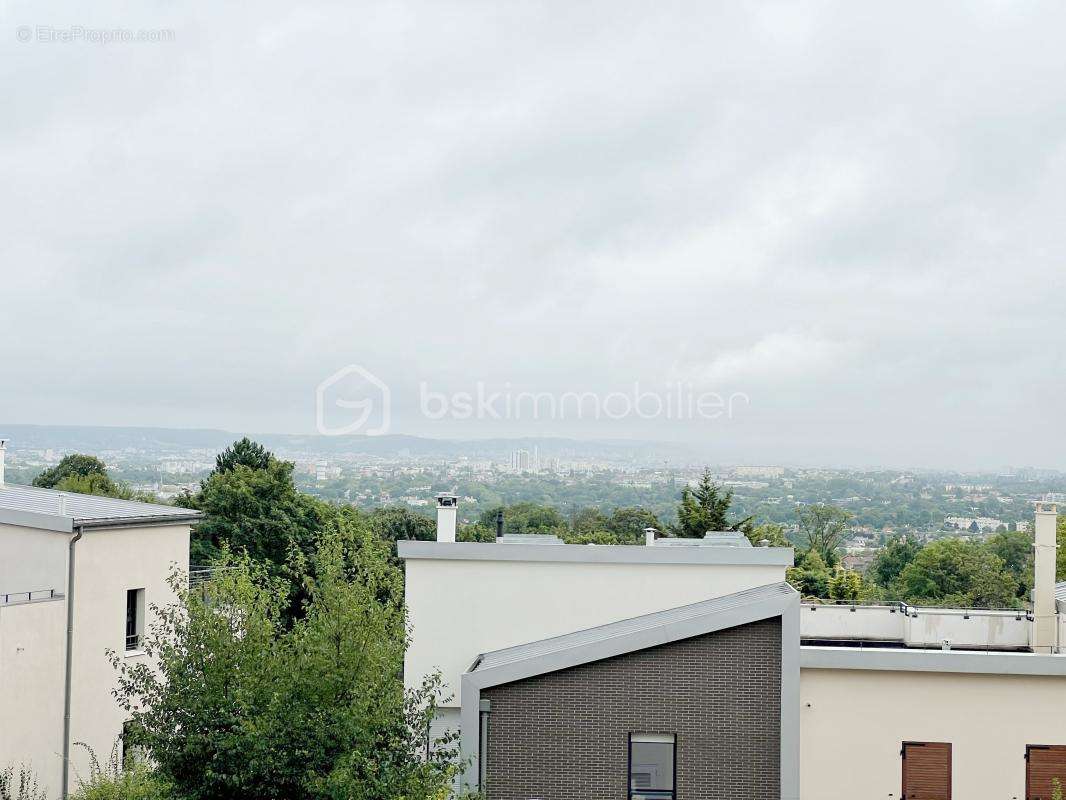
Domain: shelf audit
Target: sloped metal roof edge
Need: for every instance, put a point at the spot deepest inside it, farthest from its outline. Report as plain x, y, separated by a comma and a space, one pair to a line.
626, 636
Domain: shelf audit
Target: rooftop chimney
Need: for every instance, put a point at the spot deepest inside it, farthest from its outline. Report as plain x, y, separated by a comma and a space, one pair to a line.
1045, 622
499, 524
3, 453
649, 536
447, 511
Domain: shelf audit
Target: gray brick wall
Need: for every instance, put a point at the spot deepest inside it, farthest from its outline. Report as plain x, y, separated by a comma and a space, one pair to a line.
563, 736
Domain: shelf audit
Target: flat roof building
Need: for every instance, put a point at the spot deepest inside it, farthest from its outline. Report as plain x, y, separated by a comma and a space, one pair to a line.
629, 671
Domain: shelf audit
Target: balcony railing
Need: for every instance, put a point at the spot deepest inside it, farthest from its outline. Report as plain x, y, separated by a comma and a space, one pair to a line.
199, 574
11, 598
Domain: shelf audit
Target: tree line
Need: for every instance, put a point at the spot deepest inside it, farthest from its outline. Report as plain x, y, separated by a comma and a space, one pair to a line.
281, 676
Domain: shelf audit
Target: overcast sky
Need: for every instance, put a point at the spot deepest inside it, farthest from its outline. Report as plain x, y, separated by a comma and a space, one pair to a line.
853, 215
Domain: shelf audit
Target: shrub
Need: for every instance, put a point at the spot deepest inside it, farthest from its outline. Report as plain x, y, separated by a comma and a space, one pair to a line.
115, 780
20, 784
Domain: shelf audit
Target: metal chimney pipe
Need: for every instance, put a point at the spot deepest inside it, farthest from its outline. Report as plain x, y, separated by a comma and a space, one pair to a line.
499, 524
3, 455
650, 534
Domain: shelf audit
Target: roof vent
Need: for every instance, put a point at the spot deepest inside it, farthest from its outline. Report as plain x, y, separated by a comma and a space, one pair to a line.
529, 538
710, 539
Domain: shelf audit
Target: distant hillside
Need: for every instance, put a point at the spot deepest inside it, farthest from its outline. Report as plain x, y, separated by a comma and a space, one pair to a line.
166, 441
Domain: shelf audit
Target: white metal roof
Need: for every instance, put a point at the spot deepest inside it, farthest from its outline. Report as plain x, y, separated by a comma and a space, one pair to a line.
52, 510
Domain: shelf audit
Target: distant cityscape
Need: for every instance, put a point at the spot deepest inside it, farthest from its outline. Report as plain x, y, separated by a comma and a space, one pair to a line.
923, 505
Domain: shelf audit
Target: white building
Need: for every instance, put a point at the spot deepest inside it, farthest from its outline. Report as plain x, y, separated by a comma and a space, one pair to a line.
571, 664
95, 565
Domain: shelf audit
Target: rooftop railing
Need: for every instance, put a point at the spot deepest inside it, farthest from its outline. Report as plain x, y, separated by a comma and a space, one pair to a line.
916, 626
13, 598
199, 575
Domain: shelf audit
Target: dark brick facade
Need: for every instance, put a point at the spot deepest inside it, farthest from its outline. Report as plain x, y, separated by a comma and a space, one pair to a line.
564, 735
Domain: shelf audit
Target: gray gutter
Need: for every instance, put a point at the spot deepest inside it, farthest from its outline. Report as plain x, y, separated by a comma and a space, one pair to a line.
139, 522
67, 677
968, 662
596, 554
65, 524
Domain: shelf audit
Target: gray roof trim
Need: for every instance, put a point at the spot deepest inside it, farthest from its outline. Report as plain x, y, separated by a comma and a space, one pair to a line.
630, 635
35, 519
597, 554
913, 660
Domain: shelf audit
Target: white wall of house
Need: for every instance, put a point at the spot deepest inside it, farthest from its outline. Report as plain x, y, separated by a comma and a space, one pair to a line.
853, 723
108, 563
32, 559
31, 687
459, 609
33, 637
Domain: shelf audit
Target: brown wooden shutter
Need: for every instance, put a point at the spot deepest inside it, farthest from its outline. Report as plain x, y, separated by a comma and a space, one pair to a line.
926, 771
1042, 764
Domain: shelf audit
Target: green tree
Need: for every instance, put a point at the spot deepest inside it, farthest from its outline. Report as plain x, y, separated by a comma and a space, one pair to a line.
525, 518
243, 453
1060, 554
891, 560
257, 511
75, 464
770, 532
959, 573
1015, 548
242, 706
629, 523
397, 523
824, 527
706, 508
847, 584
588, 520
810, 577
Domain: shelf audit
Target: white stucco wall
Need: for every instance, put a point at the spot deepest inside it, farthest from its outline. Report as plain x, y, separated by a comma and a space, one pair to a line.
108, 563
459, 609
853, 723
32, 559
31, 688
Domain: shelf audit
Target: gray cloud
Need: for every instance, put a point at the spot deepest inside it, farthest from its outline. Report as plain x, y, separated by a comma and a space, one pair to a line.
850, 213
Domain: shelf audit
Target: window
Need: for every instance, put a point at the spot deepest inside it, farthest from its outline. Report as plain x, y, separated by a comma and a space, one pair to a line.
134, 618
1044, 763
652, 766
131, 753
926, 771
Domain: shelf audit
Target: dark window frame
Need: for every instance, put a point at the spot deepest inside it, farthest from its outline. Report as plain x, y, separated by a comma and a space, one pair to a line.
134, 623
665, 795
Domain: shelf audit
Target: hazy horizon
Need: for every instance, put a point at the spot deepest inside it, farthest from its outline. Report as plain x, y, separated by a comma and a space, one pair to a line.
353, 444
841, 221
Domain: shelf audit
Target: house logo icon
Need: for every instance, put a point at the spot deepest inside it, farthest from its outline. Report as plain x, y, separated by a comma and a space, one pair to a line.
353, 400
